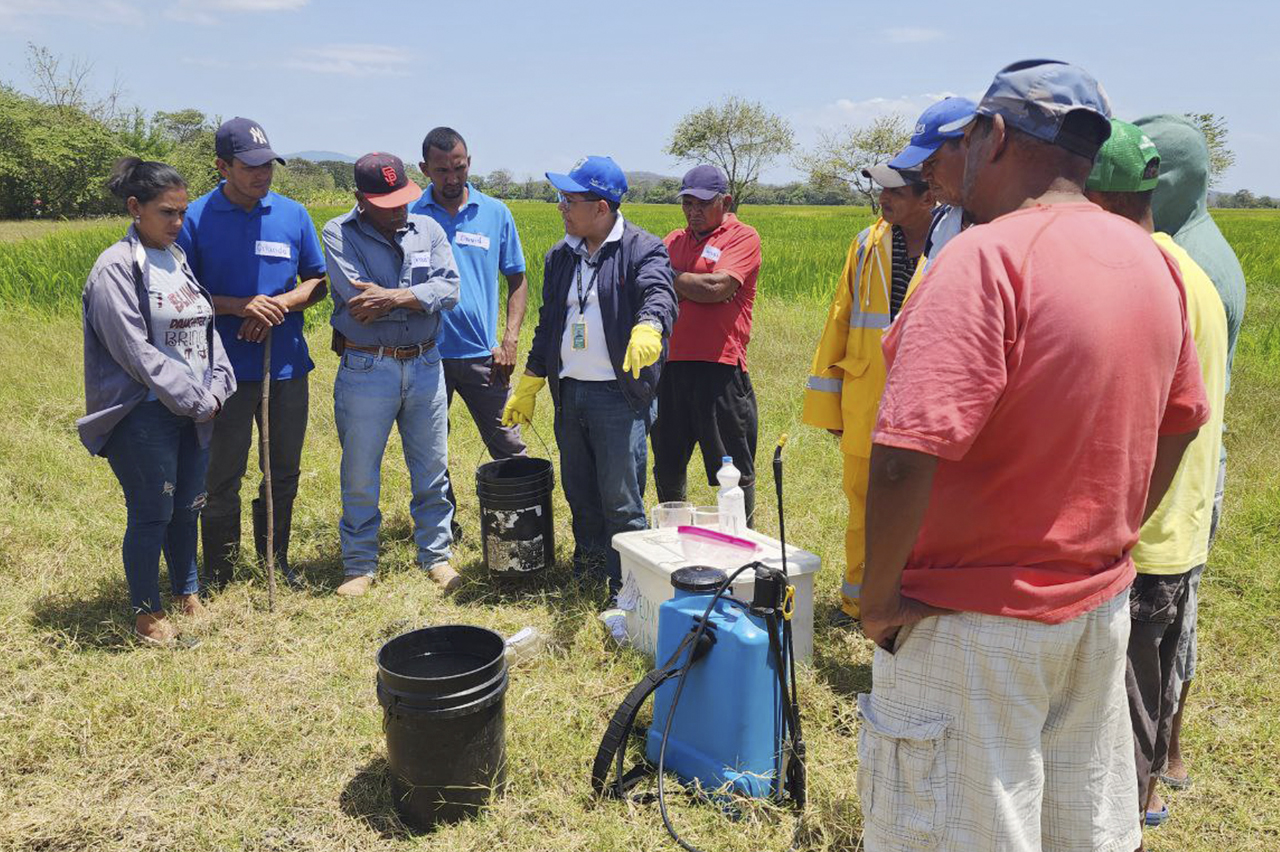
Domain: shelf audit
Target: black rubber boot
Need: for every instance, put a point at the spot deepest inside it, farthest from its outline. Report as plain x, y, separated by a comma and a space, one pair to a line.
221, 540
283, 528
749, 500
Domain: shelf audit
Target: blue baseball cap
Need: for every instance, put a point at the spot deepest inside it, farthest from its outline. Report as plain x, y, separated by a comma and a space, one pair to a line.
703, 182
598, 175
245, 140
929, 135
1038, 95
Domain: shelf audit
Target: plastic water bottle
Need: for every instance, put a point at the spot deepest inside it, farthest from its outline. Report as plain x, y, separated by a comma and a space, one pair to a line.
525, 645
731, 501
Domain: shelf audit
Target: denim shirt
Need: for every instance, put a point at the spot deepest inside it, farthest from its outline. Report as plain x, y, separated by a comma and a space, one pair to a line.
419, 259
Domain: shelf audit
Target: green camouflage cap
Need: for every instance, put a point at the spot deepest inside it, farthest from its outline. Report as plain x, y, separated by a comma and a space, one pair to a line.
1127, 162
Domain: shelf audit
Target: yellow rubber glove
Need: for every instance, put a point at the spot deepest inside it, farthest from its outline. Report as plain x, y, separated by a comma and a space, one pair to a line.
643, 350
519, 408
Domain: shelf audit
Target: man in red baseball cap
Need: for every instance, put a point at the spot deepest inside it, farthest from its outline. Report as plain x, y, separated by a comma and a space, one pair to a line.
392, 273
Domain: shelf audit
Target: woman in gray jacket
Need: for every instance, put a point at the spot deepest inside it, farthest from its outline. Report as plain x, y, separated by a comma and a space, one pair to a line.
155, 376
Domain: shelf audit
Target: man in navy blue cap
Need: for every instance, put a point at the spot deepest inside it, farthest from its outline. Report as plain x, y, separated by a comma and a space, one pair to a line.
1042, 388
258, 254
607, 309
939, 157
705, 398
393, 273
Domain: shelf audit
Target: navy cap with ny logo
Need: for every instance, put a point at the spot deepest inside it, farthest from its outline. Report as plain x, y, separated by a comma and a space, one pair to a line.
244, 139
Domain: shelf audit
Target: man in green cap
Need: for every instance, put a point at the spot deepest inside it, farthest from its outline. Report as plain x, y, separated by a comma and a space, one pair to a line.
1174, 540
1180, 208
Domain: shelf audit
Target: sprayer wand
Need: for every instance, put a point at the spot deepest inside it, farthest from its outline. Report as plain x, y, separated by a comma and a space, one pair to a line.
777, 482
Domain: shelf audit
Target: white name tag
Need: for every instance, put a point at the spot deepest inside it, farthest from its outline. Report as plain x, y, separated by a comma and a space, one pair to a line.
262, 248
419, 259
711, 253
463, 238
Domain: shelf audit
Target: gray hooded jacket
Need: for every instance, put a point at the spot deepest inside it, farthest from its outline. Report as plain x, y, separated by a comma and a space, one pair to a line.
121, 366
1180, 207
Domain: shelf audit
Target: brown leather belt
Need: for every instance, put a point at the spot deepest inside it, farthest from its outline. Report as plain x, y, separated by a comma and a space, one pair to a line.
400, 353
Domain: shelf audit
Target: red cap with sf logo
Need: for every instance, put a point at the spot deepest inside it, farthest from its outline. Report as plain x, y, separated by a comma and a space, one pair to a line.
382, 180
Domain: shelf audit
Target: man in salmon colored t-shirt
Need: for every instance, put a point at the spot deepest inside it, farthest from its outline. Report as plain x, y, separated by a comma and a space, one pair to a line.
705, 396
1042, 388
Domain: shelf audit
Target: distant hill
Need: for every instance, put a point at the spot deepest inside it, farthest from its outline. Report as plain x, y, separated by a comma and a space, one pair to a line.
317, 156
642, 178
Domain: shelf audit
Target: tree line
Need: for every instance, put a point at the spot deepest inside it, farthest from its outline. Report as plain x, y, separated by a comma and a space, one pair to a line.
59, 141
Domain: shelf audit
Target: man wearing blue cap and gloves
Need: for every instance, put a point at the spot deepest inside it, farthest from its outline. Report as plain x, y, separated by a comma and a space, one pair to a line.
939, 157
608, 307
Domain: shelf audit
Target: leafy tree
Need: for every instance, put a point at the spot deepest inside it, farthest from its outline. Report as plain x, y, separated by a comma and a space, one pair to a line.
54, 160
840, 157
1214, 128
500, 183
183, 127
739, 136
65, 83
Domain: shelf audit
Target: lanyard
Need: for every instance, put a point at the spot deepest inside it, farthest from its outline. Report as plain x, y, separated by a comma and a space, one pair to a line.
583, 294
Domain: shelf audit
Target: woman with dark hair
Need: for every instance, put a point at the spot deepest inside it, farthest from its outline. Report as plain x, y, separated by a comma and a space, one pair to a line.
155, 376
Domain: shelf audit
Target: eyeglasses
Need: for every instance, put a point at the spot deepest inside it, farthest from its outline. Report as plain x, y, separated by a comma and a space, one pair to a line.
561, 198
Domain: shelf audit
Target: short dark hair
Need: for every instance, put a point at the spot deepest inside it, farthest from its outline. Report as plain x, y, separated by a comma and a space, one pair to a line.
442, 139
132, 177
1131, 205
613, 205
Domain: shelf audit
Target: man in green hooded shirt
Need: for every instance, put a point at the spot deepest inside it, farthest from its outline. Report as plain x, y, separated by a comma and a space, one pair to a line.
1180, 207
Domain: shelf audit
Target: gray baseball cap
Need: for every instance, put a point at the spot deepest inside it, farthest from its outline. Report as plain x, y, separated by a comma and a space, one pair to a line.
1037, 95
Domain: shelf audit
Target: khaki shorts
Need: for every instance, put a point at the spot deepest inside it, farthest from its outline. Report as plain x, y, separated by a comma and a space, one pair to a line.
985, 733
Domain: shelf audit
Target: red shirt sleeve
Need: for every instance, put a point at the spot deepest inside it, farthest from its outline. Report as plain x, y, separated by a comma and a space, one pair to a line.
1187, 408
947, 354
741, 257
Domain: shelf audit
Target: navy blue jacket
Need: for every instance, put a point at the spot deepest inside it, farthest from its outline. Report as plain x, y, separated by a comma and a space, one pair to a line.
634, 284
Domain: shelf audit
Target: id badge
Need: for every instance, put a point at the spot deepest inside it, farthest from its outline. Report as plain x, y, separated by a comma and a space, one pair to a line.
579, 331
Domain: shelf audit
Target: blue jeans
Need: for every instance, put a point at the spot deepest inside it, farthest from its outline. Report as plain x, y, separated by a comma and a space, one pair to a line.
603, 455
160, 464
370, 394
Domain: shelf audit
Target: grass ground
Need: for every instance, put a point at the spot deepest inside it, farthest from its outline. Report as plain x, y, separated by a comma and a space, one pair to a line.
26, 229
268, 736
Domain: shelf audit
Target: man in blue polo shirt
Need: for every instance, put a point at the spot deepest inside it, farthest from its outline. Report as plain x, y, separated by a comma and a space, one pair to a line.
482, 234
257, 253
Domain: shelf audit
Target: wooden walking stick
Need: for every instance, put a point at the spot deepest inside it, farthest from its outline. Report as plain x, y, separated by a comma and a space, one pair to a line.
264, 459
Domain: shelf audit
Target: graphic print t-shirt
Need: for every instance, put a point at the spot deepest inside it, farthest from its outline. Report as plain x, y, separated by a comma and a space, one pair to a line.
180, 315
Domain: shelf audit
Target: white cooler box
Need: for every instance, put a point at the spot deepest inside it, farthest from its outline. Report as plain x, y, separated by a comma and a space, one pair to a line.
650, 556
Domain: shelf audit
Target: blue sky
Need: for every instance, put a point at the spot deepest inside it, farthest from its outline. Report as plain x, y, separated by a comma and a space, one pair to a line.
535, 85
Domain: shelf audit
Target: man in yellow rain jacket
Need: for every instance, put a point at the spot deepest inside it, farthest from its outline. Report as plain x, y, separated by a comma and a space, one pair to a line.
844, 387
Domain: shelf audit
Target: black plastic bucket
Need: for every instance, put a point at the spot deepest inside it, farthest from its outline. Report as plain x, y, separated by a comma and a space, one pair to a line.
442, 691
515, 515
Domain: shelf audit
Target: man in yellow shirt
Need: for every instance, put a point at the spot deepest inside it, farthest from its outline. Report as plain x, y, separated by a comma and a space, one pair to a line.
1175, 539
843, 392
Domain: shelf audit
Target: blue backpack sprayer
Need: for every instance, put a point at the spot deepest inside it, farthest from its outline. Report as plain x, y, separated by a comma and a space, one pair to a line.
732, 662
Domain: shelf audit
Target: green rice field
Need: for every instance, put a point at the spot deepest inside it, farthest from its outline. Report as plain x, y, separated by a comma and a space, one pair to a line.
268, 737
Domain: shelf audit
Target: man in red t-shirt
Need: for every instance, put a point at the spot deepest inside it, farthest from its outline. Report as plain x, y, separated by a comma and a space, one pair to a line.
1042, 387
705, 395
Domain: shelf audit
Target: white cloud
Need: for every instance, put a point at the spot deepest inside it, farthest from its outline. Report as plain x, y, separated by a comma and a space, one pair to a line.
211, 11
847, 112
20, 14
912, 35
354, 60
